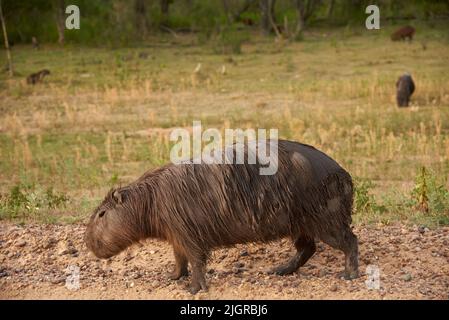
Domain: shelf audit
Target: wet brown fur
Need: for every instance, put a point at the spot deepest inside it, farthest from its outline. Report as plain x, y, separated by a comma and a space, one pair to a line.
200, 207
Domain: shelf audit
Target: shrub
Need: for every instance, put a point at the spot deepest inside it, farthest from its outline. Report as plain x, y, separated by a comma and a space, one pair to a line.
429, 193
26, 201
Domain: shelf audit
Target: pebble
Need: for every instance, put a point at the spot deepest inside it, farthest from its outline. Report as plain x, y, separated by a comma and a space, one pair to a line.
407, 277
21, 243
244, 253
333, 288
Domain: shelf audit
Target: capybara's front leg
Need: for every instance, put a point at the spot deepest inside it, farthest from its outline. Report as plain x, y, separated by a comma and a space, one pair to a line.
180, 265
198, 274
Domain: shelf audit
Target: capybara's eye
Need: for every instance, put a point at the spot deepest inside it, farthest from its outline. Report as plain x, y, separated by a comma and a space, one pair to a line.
101, 213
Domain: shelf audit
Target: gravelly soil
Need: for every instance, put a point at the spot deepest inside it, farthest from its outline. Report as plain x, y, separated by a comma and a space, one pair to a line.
35, 263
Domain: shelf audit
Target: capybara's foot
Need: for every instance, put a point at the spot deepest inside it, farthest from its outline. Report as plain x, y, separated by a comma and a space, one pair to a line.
283, 270
348, 275
197, 286
177, 274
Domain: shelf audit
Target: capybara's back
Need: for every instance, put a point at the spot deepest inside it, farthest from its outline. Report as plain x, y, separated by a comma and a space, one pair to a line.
200, 207
403, 33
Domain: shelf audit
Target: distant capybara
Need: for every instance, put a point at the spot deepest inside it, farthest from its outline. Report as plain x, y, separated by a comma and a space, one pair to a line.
404, 89
247, 21
35, 43
38, 76
403, 33
200, 207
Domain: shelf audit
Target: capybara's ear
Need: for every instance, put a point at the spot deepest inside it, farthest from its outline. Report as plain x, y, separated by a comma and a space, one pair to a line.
119, 196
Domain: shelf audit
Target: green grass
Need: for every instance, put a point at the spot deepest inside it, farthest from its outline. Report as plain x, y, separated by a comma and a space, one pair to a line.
104, 115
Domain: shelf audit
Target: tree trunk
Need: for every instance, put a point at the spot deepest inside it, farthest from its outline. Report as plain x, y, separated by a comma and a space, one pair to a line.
227, 11
330, 9
5, 36
267, 14
271, 18
299, 6
165, 5
59, 8
304, 10
140, 10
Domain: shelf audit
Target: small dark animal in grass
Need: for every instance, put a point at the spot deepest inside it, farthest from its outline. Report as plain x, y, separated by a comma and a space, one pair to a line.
247, 21
200, 207
35, 43
404, 89
143, 55
37, 77
403, 33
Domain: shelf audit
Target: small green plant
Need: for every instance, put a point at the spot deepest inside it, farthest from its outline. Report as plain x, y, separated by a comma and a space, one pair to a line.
114, 179
364, 201
429, 195
26, 202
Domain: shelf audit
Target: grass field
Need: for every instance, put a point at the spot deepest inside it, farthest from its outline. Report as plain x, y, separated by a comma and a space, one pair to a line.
104, 115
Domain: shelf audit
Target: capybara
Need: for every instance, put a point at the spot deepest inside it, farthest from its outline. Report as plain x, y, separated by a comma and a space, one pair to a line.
35, 43
247, 21
404, 89
38, 76
200, 207
403, 33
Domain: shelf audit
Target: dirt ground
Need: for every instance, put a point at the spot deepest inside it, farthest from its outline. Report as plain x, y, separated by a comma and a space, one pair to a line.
39, 261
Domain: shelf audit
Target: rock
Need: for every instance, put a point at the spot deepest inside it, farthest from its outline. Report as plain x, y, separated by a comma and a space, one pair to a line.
244, 253
407, 277
57, 280
333, 288
236, 270
211, 271
49, 243
21, 243
67, 249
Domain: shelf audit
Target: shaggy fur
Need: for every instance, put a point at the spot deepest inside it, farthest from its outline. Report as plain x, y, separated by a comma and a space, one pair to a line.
37, 77
403, 33
404, 89
199, 207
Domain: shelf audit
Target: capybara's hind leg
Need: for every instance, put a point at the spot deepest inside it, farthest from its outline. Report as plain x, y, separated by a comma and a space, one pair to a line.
347, 242
198, 274
305, 249
180, 265
351, 250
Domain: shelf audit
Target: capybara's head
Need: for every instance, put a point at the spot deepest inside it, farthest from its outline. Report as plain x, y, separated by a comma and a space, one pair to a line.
113, 225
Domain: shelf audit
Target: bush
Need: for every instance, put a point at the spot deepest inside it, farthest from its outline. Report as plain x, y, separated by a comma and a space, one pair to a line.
430, 194
230, 40
26, 201
364, 201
